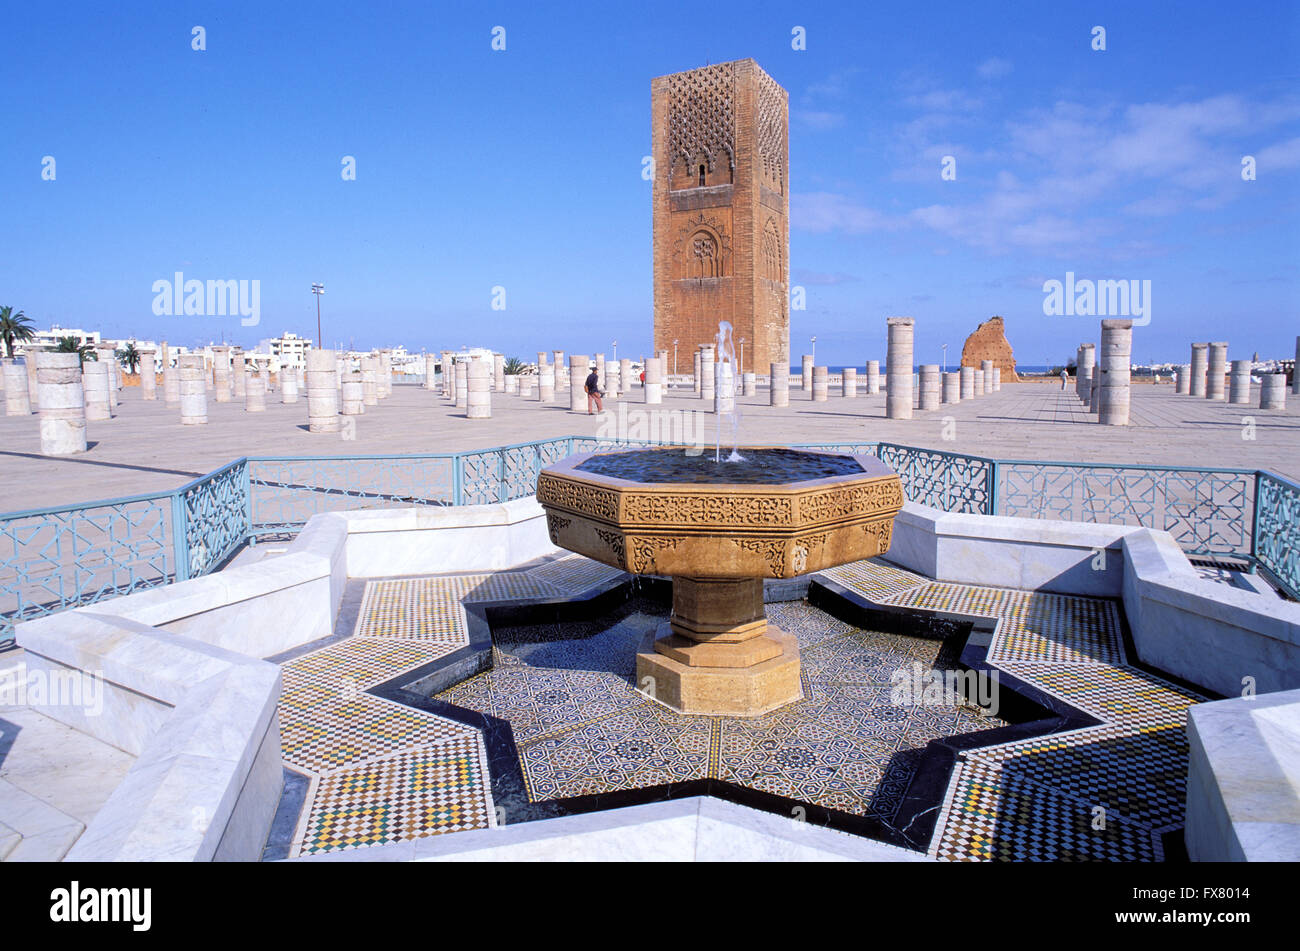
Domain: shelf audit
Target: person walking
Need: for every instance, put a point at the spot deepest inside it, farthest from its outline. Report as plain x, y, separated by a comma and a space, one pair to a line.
593, 393
1064, 378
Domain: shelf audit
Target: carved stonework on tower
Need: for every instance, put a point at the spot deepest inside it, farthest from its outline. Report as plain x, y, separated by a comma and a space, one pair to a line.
721, 210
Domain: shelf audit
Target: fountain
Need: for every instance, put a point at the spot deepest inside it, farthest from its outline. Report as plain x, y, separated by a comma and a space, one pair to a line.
718, 528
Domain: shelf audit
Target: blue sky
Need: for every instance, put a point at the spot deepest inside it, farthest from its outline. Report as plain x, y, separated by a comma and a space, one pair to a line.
522, 168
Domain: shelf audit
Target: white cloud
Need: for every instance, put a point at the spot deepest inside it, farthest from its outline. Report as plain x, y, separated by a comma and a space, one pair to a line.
822, 212
820, 121
993, 68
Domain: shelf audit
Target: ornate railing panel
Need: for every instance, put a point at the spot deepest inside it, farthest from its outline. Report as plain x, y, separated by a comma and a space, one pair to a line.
215, 510
285, 492
942, 480
1277, 530
58, 558
1206, 510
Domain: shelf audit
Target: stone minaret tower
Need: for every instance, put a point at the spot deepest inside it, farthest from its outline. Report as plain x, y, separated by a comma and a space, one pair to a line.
721, 211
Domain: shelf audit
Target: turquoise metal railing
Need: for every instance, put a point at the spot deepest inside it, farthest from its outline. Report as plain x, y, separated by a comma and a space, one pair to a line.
59, 557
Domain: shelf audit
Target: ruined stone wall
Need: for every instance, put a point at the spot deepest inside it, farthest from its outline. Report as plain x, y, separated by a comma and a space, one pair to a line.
989, 342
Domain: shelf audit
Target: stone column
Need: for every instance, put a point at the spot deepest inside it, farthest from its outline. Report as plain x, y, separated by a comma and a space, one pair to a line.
221, 374
546, 383
1087, 367
462, 384
708, 382
369, 381
95, 386
696, 373
849, 382
499, 372
1272, 394
239, 375
192, 389
997, 379
1239, 384
952, 387
979, 382
108, 359
654, 380
61, 401
385, 369
1183, 380
478, 397
898, 369
930, 386
1116, 358
873, 377
18, 398
724, 399
148, 374
820, 384
611, 381
577, 377
171, 381
255, 394
1094, 395
625, 378
322, 392
967, 383
352, 393
512, 384
448, 376
600, 372
749, 383
779, 388
561, 377
806, 373
1199, 364
986, 372
288, 384
33, 390
1216, 371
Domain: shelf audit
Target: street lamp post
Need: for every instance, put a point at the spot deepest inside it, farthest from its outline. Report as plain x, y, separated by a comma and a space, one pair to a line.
614, 344
944, 348
674, 358
742, 356
318, 290
814, 351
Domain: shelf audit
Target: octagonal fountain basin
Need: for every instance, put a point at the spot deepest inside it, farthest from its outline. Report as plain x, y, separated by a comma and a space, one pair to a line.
718, 529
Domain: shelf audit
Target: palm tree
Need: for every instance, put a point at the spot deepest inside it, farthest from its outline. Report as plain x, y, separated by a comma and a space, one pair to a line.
129, 357
513, 365
72, 344
14, 327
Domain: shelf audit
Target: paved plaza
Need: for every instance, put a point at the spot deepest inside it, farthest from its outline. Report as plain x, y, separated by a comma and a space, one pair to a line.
146, 449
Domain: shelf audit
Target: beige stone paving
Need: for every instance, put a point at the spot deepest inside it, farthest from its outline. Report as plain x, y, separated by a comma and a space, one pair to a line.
146, 449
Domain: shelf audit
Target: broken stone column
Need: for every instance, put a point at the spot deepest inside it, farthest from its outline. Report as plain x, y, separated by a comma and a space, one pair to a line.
951, 392
979, 381
148, 374
806, 373
352, 393
873, 377
499, 372
997, 379
1116, 360
654, 380
1216, 371
369, 381
384, 377
749, 383
255, 394
431, 364
930, 386
601, 383
1086, 368
95, 386
724, 400
986, 375
1272, 394
33, 391
820, 384
1239, 384
192, 389
18, 400
171, 380
221, 386
696, 373
779, 387
462, 384
1094, 395
322, 392
546, 383
61, 401
625, 378
108, 360
1200, 361
849, 382
478, 395
1183, 380
898, 368
561, 377
239, 375
512, 384
577, 379
288, 385
967, 383
708, 378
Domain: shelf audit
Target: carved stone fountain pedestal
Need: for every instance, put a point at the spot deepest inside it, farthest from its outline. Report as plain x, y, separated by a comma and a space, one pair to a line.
718, 531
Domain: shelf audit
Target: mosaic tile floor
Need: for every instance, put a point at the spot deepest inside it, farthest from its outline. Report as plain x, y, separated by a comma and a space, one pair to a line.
581, 728
1107, 792
380, 771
